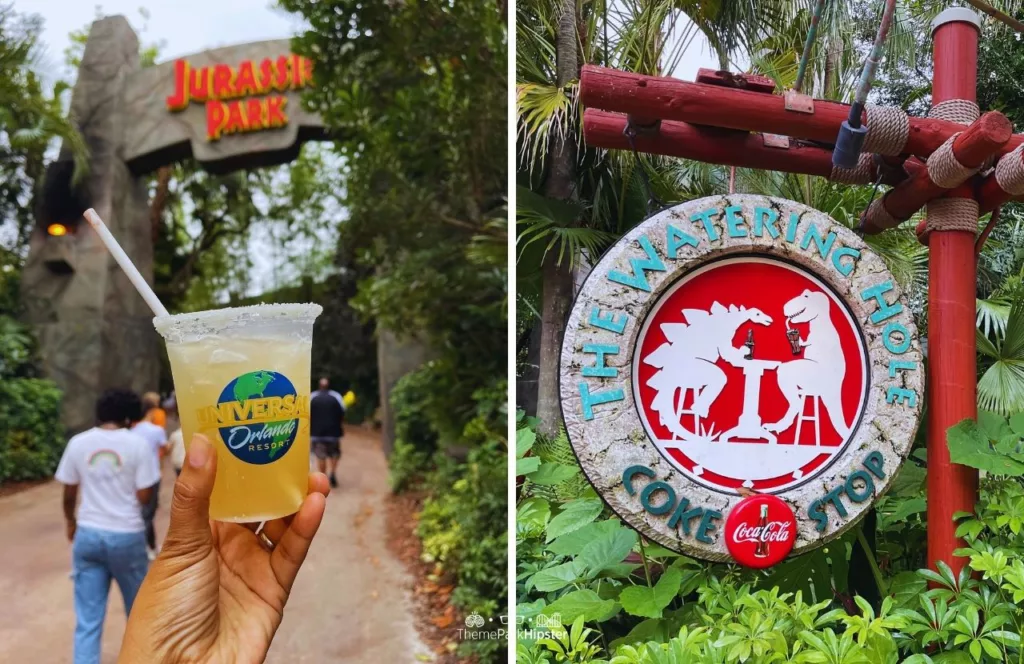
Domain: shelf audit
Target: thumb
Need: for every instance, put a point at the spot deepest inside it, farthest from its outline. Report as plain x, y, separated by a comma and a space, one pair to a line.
189, 530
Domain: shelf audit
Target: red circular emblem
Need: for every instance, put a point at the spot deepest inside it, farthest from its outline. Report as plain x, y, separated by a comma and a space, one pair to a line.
750, 372
760, 531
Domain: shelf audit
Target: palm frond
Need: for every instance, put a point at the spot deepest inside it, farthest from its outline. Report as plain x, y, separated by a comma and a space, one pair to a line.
992, 315
1001, 387
543, 111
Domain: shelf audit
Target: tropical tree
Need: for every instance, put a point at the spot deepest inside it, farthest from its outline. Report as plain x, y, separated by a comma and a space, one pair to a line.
614, 191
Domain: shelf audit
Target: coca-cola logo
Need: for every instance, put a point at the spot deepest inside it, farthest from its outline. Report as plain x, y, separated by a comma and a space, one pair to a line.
760, 531
773, 531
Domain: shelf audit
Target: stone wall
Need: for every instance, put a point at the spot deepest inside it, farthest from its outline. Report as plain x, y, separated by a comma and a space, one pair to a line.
395, 358
94, 330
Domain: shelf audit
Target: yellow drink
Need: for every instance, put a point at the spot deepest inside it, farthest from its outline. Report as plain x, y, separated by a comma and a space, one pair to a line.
242, 379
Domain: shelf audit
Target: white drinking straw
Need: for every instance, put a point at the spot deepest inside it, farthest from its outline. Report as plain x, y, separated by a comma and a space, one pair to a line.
126, 263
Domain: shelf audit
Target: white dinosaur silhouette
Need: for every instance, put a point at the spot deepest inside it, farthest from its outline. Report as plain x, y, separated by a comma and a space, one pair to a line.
821, 371
687, 360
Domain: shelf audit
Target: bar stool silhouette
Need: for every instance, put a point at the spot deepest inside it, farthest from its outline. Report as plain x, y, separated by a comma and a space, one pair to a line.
816, 418
681, 411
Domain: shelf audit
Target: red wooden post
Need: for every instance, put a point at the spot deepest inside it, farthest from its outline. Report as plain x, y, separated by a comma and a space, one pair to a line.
951, 310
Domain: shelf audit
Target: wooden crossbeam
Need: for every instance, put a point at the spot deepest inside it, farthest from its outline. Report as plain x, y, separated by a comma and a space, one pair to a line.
712, 145
696, 103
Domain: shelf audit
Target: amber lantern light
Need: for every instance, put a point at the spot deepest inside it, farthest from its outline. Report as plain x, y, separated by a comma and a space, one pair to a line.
57, 230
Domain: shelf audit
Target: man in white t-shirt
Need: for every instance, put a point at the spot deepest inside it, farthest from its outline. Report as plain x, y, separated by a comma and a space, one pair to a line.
114, 470
157, 439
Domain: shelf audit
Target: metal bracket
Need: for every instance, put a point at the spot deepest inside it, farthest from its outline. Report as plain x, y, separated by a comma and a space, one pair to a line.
798, 102
775, 141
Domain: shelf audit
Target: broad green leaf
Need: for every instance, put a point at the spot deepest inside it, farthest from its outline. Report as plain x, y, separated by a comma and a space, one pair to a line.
905, 588
533, 512
909, 481
619, 571
969, 446
574, 515
527, 465
528, 610
658, 551
919, 659
648, 602
607, 550
572, 543
952, 657
525, 438
555, 578
553, 473
584, 603
905, 508
993, 424
1017, 423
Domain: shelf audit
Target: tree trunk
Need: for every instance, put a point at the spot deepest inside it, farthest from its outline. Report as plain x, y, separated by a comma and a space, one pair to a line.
558, 278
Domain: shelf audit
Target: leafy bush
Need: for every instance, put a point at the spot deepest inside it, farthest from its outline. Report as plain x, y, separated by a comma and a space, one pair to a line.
31, 438
463, 521
591, 590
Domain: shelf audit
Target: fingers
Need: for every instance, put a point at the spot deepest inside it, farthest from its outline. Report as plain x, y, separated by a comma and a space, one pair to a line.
275, 529
291, 549
190, 505
318, 484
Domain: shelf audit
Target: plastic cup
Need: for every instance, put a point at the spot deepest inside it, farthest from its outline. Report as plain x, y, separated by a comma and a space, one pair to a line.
242, 378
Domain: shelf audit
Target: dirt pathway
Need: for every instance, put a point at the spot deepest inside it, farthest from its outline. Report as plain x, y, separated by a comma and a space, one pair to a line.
350, 603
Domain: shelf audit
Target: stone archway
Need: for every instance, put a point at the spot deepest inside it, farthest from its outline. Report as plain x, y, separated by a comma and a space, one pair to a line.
229, 108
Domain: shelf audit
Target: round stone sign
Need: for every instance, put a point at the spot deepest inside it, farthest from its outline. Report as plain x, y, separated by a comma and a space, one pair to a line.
734, 346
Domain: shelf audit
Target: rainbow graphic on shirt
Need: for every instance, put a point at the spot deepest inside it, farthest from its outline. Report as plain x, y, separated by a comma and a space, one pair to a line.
108, 458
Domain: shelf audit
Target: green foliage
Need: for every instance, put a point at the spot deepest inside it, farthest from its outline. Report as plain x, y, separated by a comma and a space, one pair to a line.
463, 527
590, 591
1000, 452
31, 438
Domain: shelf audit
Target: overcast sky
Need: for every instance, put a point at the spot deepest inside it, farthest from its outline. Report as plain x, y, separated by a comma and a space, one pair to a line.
181, 27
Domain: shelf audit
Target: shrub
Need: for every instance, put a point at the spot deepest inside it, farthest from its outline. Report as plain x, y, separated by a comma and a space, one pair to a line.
31, 437
458, 455
584, 599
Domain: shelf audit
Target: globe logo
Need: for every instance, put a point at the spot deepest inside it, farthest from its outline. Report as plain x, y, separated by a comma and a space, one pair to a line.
258, 416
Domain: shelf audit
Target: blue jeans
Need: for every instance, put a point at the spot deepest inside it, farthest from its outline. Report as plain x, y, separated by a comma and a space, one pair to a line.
97, 557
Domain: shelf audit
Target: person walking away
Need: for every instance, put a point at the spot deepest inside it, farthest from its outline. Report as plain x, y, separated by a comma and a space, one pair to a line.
152, 410
114, 470
176, 447
156, 439
326, 421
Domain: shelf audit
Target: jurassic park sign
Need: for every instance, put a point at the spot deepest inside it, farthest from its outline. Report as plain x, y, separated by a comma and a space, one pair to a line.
741, 378
244, 98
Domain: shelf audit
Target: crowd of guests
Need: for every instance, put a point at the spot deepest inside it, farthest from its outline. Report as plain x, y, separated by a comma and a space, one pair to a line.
112, 473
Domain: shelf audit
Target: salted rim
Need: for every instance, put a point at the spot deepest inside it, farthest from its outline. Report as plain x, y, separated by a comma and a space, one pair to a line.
211, 320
